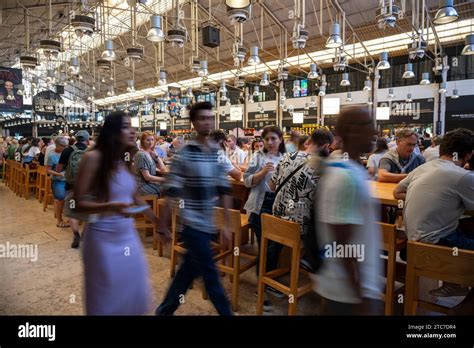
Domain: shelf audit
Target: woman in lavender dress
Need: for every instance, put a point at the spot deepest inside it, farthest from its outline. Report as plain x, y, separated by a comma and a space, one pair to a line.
115, 268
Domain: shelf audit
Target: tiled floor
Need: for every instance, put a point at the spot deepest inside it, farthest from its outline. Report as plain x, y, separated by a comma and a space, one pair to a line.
53, 285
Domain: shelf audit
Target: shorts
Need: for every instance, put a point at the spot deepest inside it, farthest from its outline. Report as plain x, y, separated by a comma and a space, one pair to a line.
59, 189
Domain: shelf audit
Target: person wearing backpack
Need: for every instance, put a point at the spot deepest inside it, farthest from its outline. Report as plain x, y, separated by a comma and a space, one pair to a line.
294, 182
69, 161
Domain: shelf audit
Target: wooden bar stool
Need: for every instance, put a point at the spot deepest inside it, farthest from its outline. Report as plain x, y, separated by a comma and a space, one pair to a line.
3, 170
29, 180
439, 263
391, 243
239, 227
18, 179
142, 222
48, 195
40, 183
7, 172
286, 233
177, 246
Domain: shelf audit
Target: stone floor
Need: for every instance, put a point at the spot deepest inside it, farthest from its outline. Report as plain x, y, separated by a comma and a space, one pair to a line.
53, 285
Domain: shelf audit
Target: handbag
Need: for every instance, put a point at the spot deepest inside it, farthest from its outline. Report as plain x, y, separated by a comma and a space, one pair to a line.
72, 213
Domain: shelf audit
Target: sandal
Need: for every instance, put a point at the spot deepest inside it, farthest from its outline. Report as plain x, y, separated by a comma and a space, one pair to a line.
63, 224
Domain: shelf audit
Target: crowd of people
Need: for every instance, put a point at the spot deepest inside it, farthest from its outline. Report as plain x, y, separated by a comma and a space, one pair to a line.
318, 180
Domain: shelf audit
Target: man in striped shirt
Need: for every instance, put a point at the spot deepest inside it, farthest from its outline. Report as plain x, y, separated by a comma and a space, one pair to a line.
196, 180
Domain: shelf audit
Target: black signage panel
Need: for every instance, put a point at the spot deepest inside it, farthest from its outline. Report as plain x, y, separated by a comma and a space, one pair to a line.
459, 113
419, 111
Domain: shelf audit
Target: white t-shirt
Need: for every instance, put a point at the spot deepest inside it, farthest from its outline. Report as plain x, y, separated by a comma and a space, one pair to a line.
438, 193
222, 157
344, 198
48, 150
431, 153
33, 151
238, 156
373, 161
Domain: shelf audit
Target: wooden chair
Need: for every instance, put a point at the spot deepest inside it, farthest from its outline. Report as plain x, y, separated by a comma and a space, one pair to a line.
238, 226
286, 233
40, 183
29, 180
7, 172
142, 222
391, 243
439, 263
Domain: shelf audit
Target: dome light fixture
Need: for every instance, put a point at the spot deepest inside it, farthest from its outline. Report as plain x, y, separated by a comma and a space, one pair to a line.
349, 97
425, 79
254, 59
264, 81
367, 86
109, 54
408, 74
334, 40
455, 94
256, 91
203, 70
469, 48
446, 14
345, 80
313, 71
443, 87
383, 63
390, 95
156, 34
322, 91
409, 98
223, 88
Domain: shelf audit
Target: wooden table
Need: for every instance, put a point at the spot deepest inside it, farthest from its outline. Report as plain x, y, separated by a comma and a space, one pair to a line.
383, 191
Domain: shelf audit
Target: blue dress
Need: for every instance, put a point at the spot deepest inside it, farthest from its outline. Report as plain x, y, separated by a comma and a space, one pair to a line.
115, 267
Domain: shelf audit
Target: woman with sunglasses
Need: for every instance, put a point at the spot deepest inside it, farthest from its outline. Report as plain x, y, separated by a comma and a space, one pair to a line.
261, 197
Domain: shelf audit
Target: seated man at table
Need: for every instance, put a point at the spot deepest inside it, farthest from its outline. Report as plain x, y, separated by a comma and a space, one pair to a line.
436, 196
397, 163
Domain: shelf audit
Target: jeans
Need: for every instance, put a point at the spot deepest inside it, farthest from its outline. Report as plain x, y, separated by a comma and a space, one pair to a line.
458, 239
273, 248
58, 189
198, 261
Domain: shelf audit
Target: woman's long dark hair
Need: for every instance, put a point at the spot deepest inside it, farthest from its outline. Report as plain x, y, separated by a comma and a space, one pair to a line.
277, 131
381, 145
111, 148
